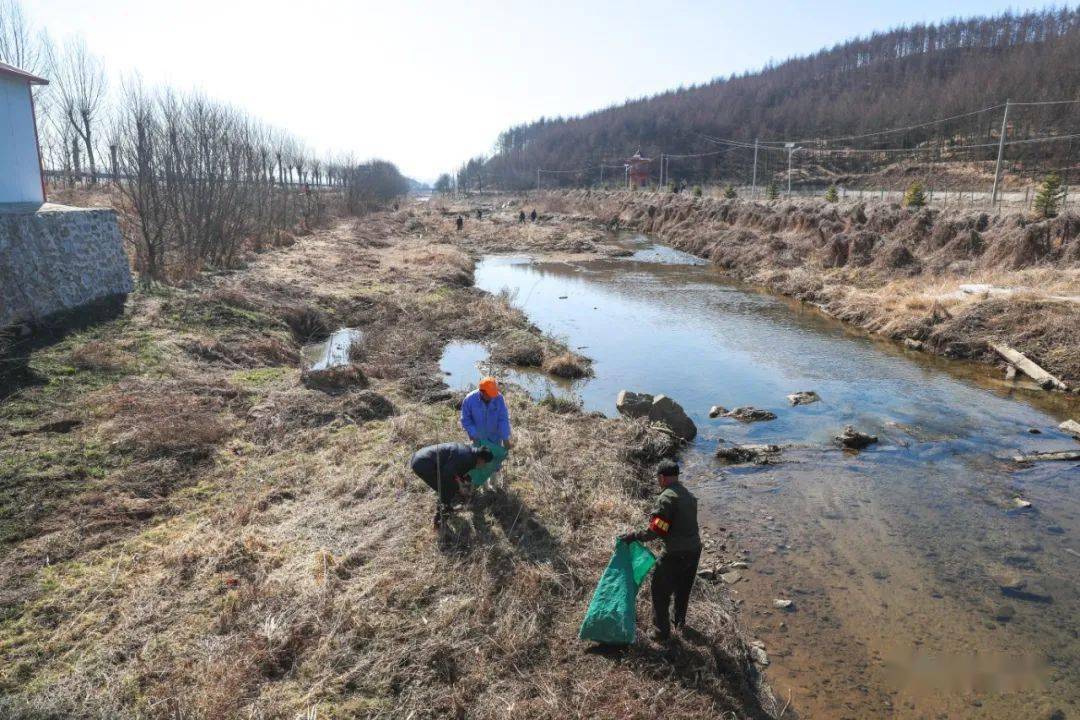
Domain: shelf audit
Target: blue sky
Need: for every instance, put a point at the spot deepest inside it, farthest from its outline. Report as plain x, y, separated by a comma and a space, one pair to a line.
428, 84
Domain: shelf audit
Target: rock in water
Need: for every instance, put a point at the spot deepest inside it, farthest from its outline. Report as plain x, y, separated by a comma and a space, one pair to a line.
716, 411
803, 397
759, 454
750, 414
670, 413
632, 404
854, 439
1071, 427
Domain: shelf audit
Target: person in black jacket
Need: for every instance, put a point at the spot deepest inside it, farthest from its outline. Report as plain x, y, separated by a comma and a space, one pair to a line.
673, 520
445, 469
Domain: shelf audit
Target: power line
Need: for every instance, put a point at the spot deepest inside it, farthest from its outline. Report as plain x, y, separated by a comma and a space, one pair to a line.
928, 123
1047, 102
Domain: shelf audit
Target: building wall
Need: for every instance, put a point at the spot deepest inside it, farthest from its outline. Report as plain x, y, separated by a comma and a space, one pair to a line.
20, 167
58, 259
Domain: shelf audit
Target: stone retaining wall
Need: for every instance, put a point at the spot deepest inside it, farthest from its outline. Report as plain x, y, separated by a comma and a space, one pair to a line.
54, 259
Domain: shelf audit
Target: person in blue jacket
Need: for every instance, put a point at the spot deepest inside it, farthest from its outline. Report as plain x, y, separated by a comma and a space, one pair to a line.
486, 421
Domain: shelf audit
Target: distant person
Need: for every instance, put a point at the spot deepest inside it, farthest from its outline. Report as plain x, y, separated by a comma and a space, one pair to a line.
521, 217
673, 520
479, 214
532, 215
486, 420
445, 469
460, 223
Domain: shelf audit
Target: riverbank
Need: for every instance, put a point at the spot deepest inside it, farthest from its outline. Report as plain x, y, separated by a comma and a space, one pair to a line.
946, 282
189, 531
901, 560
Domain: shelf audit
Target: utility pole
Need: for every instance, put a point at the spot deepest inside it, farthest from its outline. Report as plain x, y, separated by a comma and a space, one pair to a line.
601, 174
753, 183
661, 172
537, 178
1001, 151
626, 176
790, 151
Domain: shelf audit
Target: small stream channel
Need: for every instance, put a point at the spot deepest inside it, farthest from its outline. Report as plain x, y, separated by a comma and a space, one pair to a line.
895, 557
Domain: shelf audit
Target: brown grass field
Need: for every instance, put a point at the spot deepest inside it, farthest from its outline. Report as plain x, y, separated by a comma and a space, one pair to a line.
186, 531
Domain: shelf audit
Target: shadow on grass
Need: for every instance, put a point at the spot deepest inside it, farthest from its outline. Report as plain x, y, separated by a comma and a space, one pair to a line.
696, 663
17, 347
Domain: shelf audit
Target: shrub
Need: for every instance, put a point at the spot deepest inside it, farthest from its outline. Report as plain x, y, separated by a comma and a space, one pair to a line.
567, 365
831, 195
519, 347
1051, 194
915, 196
697, 191
562, 404
308, 323
729, 193
772, 191
335, 379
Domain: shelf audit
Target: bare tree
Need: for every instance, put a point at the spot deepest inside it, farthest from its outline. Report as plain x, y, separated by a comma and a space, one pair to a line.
83, 86
19, 44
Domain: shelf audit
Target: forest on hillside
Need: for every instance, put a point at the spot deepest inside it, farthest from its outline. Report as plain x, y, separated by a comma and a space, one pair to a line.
829, 102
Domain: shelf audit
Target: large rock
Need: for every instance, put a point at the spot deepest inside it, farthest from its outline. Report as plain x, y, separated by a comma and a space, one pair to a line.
659, 408
667, 411
632, 404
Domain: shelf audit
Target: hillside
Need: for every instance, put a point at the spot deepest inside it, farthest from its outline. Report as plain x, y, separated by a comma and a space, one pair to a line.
892, 79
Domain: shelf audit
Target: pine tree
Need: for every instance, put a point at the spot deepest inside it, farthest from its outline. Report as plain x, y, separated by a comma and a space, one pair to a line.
697, 191
1051, 194
831, 195
772, 191
915, 195
729, 193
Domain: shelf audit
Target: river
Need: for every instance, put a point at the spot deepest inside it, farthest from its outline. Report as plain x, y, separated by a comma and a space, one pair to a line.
895, 557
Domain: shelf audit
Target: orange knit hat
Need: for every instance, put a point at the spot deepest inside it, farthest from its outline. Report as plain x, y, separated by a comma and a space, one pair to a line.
489, 388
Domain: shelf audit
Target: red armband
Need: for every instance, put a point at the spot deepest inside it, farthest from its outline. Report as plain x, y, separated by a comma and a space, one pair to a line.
659, 525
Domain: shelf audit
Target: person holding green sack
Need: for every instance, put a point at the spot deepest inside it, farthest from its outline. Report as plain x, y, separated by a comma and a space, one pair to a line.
486, 420
674, 521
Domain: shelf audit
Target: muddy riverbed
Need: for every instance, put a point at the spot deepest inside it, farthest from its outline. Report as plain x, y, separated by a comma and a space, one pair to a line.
918, 588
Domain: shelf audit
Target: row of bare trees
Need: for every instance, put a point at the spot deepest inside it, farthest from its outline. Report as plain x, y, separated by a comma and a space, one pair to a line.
198, 180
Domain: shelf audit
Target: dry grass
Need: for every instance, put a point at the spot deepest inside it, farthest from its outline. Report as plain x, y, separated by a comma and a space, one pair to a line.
157, 419
567, 365
96, 355
293, 572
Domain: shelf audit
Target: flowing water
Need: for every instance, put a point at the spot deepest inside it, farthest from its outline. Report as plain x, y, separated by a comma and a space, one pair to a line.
902, 560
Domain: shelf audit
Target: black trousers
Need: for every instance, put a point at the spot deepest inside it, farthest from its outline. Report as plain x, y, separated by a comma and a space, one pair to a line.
673, 576
449, 488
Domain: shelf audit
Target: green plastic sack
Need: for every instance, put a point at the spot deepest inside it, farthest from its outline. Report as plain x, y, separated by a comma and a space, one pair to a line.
479, 476
612, 614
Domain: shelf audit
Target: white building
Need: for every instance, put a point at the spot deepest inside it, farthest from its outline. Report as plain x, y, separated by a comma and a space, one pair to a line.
20, 155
